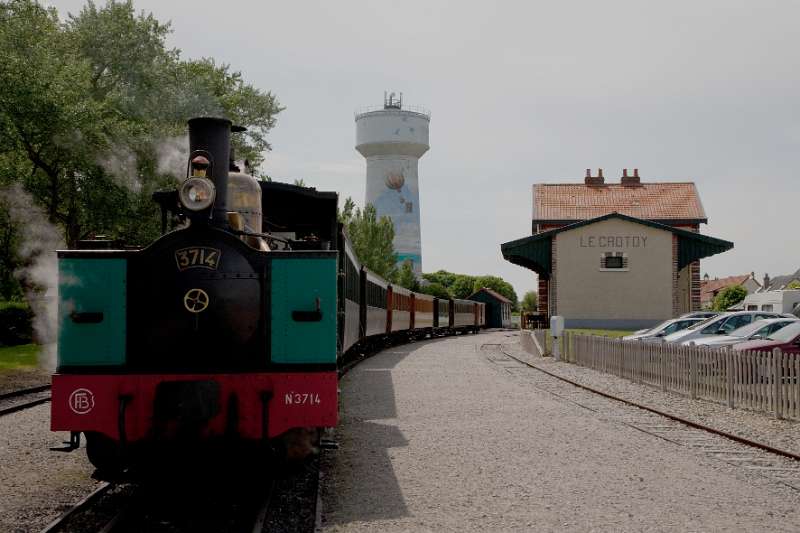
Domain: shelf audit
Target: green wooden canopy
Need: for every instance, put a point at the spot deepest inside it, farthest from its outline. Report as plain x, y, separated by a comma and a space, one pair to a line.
534, 252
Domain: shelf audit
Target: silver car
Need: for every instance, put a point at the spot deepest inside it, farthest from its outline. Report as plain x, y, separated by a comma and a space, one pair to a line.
760, 329
663, 329
721, 324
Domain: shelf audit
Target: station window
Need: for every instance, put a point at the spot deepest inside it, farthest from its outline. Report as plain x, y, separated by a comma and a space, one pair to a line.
614, 261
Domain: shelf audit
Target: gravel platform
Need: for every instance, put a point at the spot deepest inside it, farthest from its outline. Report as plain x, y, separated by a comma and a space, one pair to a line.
37, 484
435, 437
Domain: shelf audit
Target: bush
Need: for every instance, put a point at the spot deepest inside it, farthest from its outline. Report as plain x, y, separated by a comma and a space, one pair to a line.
729, 296
15, 323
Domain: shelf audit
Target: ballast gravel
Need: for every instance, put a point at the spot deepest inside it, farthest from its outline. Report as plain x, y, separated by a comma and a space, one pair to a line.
36, 484
761, 427
434, 437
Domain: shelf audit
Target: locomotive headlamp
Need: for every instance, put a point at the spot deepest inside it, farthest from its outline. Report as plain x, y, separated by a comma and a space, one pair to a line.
197, 194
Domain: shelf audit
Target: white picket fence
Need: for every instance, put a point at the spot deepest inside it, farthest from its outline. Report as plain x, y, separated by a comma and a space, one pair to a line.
761, 381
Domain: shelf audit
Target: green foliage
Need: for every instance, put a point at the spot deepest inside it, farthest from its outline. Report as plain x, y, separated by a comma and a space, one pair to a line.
15, 323
442, 277
435, 289
372, 238
728, 297
794, 285
406, 277
530, 301
463, 285
10, 288
301, 183
499, 285
87, 107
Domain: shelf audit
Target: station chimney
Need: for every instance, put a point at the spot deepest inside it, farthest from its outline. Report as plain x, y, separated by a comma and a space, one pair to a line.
392, 138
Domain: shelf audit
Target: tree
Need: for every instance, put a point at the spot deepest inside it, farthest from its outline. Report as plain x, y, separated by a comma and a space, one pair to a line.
372, 238
10, 288
498, 285
463, 286
794, 285
435, 289
530, 301
729, 296
442, 277
406, 278
88, 106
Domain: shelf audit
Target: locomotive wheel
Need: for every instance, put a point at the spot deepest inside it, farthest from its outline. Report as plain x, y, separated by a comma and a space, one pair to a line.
103, 452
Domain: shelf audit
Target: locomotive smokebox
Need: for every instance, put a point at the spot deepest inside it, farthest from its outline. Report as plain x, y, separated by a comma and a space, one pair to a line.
209, 136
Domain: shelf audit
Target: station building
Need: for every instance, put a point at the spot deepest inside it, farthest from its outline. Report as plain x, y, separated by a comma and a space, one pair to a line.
498, 307
616, 255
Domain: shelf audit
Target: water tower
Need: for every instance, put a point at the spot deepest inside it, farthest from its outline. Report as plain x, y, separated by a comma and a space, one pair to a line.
392, 138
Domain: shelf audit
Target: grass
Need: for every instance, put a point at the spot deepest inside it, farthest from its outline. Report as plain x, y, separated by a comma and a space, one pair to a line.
601, 332
615, 333
20, 357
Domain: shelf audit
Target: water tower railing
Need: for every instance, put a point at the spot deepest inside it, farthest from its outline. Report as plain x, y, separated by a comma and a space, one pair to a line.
410, 108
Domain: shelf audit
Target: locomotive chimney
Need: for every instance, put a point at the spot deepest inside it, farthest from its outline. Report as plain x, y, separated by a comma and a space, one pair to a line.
212, 137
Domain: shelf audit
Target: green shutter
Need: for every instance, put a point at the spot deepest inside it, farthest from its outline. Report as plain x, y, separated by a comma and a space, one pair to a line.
87, 289
296, 285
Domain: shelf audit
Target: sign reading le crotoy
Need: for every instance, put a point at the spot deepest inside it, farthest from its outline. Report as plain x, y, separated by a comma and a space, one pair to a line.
613, 241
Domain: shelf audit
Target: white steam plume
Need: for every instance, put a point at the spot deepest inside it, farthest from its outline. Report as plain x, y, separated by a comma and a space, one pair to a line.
173, 155
122, 165
39, 273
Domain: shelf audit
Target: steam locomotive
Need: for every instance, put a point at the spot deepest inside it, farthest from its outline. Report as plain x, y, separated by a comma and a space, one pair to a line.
229, 329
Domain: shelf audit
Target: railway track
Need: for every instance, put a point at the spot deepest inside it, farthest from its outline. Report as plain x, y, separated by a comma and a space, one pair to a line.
11, 402
65, 518
778, 465
120, 508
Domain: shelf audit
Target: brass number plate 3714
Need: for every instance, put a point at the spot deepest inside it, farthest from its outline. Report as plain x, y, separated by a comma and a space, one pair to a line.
197, 257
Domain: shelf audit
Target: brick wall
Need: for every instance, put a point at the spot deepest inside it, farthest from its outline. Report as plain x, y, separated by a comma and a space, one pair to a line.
695, 273
675, 294
553, 279
544, 287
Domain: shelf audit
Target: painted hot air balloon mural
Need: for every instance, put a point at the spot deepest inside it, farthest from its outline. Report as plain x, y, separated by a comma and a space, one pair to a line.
395, 182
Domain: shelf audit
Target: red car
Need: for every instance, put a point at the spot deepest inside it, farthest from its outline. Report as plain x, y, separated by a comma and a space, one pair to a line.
787, 339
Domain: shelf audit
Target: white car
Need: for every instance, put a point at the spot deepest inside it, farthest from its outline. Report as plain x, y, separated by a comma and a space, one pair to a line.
721, 324
760, 329
662, 330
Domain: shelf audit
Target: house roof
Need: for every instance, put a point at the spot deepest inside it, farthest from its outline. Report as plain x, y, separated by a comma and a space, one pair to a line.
666, 202
779, 282
494, 294
534, 252
708, 288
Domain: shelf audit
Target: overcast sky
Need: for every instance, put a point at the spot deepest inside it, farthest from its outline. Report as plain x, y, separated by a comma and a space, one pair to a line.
527, 92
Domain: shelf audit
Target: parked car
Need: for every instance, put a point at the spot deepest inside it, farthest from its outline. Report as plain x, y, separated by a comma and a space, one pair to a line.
760, 329
721, 324
663, 329
700, 314
786, 339
695, 314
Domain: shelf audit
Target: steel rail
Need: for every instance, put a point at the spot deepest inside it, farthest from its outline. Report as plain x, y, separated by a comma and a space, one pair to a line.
696, 425
23, 392
261, 516
56, 524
